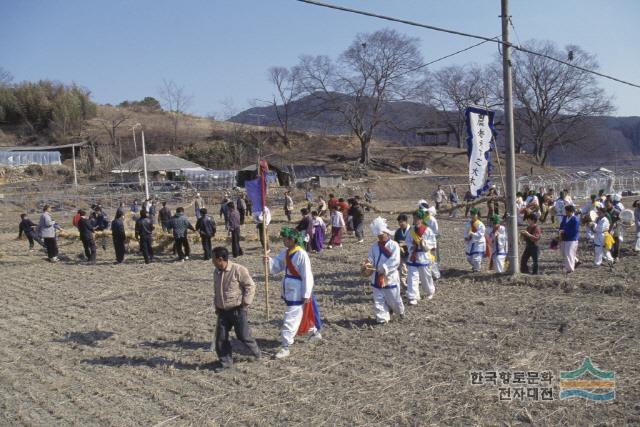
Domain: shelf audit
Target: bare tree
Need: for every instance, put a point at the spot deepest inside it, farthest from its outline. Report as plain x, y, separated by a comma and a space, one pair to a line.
287, 91
553, 103
176, 102
377, 68
451, 90
111, 121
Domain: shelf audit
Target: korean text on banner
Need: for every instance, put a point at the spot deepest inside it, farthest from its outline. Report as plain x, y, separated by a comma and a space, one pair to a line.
480, 133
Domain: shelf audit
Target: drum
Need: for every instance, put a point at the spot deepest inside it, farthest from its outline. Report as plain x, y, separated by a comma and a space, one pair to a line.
626, 216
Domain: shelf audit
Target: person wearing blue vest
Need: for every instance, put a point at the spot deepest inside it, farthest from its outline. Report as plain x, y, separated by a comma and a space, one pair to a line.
301, 315
383, 261
569, 235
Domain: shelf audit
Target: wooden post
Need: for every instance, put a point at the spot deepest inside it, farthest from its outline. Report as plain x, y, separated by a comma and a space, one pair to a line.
263, 193
266, 263
75, 173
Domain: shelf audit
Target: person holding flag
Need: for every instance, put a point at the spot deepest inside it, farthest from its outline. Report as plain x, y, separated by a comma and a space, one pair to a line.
383, 261
301, 315
420, 241
475, 240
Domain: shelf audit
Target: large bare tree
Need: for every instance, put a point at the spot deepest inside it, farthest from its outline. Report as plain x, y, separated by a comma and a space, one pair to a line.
553, 103
176, 102
451, 90
375, 69
287, 89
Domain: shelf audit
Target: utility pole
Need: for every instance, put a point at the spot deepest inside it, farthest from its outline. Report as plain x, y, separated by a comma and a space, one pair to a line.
510, 197
135, 147
144, 165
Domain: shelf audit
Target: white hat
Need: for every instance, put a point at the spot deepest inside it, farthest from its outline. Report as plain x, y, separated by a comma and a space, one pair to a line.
422, 203
616, 197
379, 226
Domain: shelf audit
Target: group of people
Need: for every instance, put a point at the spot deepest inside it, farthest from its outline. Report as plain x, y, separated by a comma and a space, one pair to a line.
89, 222
343, 216
602, 218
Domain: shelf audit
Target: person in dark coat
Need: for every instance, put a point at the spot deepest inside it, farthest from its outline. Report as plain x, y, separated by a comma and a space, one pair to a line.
234, 229
27, 227
86, 228
357, 215
224, 210
164, 216
119, 236
144, 230
121, 208
100, 222
180, 224
242, 207
207, 228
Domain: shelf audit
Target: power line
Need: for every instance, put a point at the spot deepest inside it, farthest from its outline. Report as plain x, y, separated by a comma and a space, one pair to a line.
449, 55
459, 33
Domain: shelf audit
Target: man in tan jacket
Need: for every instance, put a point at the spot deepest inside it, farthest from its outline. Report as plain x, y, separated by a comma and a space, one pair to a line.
233, 290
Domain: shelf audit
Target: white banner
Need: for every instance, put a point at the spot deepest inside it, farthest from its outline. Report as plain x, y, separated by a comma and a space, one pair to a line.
480, 133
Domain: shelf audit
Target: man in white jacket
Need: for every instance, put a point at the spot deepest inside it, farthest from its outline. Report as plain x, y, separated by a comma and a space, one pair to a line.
383, 261
475, 244
420, 241
297, 291
47, 231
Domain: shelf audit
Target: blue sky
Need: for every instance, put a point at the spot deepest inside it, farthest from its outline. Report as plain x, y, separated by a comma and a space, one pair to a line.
221, 49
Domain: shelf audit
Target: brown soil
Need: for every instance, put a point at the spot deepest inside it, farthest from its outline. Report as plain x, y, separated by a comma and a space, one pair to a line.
125, 345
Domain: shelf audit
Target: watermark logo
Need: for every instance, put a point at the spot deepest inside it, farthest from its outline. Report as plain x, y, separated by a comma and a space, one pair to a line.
588, 382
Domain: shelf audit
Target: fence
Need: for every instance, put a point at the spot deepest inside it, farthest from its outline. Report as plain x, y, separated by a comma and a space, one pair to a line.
581, 185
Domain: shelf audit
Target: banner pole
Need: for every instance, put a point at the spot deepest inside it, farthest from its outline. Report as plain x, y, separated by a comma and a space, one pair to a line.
264, 237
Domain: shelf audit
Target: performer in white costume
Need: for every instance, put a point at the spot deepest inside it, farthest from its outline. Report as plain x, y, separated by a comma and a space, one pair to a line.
601, 243
475, 242
383, 262
420, 241
297, 291
498, 244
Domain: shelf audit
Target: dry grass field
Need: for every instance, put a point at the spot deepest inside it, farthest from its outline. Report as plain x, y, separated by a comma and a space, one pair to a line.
127, 344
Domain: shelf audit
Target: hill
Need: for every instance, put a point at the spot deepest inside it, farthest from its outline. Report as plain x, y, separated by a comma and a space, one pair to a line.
614, 140
232, 145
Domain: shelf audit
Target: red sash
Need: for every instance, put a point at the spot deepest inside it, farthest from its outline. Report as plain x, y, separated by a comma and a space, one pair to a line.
290, 267
379, 278
309, 317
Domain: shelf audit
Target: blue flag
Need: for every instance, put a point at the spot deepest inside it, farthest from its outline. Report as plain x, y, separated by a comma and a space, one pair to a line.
254, 194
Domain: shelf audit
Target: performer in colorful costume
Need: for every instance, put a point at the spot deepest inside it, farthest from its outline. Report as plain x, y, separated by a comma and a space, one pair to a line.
603, 241
301, 315
475, 240
383, 262
420, 241
498, 244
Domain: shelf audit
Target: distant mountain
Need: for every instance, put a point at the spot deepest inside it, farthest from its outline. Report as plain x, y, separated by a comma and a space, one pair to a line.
614, 138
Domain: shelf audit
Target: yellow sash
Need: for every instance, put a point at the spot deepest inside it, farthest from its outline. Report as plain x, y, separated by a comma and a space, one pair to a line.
608, 241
